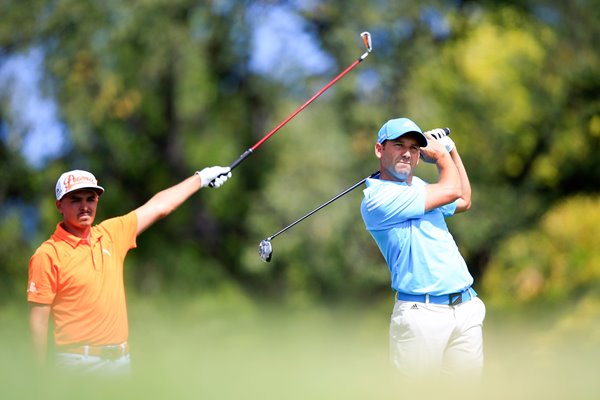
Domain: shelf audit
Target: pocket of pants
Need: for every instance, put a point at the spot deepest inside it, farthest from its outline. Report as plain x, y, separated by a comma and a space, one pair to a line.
400, 322
481, 309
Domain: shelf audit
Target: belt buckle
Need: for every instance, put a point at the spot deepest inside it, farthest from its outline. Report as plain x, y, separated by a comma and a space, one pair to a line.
455, 298
111, 352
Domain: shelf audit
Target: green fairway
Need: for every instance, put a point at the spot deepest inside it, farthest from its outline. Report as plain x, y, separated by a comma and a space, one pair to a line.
221, 348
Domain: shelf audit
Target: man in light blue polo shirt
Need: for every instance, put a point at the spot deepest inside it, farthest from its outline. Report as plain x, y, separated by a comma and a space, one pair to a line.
436, 324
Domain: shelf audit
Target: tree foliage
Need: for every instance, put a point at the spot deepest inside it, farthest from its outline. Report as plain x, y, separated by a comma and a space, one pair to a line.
152, 90
551, 262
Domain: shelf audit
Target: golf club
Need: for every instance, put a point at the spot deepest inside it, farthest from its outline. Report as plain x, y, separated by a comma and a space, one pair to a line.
366, 38
265, 249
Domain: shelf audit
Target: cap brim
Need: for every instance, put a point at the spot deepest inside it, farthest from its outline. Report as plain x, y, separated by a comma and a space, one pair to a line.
98, 189
421, 139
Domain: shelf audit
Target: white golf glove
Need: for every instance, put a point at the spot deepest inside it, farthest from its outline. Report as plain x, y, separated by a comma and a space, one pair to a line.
442, 136
447, 142
217, 175
438, 133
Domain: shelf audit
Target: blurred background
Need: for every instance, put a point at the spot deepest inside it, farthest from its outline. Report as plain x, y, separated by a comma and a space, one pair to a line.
145, 92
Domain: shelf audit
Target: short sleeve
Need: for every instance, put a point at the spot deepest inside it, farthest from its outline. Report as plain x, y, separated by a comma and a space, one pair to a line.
43, 278
123, 231
388, 204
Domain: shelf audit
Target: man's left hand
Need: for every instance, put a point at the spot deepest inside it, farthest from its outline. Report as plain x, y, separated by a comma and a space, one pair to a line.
216, 175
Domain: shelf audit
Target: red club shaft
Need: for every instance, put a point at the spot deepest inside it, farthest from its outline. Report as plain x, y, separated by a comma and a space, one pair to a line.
367, 41
303, 106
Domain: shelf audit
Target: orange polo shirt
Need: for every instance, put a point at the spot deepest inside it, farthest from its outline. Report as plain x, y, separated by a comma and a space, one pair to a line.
83, 282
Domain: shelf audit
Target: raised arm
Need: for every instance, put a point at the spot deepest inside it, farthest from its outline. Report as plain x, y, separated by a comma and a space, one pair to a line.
448, 188
464, 202
166, 201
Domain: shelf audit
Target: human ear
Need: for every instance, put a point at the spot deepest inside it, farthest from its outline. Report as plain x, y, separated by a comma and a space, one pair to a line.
378, 149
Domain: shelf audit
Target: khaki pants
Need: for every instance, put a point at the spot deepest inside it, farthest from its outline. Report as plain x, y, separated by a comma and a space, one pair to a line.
86, 364
428, 339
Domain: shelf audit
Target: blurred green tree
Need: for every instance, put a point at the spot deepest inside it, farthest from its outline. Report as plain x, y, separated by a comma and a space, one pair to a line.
555, 262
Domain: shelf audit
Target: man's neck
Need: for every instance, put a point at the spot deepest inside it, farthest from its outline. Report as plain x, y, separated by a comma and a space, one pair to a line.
388, 177
80, 232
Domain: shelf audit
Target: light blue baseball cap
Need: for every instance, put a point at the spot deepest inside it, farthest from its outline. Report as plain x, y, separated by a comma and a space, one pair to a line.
395, 128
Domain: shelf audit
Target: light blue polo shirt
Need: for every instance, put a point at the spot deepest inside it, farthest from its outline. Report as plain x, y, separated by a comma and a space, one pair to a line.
421, 254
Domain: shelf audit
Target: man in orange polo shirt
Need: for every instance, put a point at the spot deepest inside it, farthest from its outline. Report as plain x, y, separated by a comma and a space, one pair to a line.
76, 276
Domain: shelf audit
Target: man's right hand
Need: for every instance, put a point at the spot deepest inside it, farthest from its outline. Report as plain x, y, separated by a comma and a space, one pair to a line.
434, 149
448, 143
441, 134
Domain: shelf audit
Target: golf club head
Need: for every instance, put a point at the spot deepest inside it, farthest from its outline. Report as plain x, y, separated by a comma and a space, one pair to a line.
265, 250
366, 37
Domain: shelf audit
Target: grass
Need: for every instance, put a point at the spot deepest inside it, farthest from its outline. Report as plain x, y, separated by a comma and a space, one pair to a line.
226, 348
